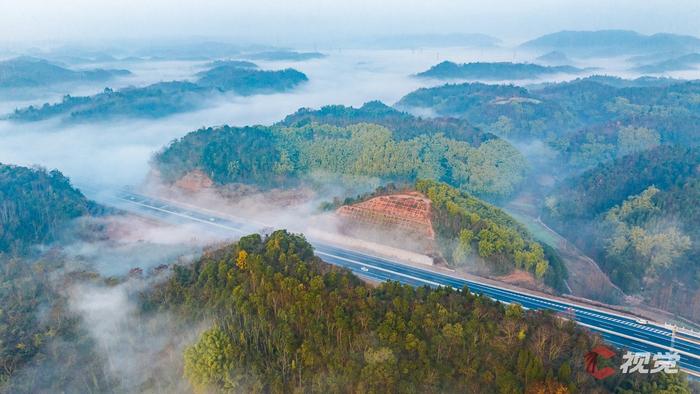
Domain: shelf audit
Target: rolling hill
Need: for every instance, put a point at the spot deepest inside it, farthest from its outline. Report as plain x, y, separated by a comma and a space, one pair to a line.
611, 43
28, 72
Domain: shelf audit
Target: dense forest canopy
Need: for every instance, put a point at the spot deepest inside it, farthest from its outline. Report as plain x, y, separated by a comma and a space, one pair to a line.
508, 183
493, 71
153, 101
403, 125
586, 121
469, 229
167, 98
43, 347
282, 320
644, 81
246, 80
286, 154
36, 206
638, 215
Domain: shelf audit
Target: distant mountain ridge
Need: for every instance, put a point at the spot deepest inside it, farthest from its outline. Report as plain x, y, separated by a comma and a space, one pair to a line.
166, 98
554, 58
493, 71
436, 40
612, 43
680, 63
26, 71
284, 55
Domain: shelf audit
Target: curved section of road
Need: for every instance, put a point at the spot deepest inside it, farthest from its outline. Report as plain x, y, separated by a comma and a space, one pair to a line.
618, 329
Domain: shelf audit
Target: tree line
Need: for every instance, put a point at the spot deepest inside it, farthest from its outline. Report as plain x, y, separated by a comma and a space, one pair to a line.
283, 320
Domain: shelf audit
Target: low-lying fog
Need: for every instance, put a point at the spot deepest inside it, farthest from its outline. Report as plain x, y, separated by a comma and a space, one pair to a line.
117, 152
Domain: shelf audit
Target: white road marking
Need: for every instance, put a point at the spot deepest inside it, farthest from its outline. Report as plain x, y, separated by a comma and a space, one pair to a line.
580, 309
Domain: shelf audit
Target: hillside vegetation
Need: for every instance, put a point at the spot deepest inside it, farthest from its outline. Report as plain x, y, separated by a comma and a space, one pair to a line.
467, 228
43, 347
284, 321
167, 98
494, 71
638, 215
403, 125
586, 121
284, 155
241, 78
36, 206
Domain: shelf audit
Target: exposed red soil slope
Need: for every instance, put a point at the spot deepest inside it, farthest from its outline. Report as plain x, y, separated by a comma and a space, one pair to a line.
409, 212
194, 181
401, 220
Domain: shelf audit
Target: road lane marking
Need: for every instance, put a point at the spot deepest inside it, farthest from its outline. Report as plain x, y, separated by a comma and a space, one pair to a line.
640, 340
581, 309
592, 312
184, 216
578, 322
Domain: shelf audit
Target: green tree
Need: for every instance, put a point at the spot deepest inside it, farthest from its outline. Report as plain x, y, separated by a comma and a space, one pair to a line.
380, 372
636, 139
211, 361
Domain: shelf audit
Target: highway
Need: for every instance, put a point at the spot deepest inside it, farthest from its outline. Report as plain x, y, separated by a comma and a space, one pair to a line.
618, 329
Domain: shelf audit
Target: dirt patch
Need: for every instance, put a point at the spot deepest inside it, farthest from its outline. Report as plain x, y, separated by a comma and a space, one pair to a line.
274, 198
407, 212
520, 278
407, 257
401, 220
194, 181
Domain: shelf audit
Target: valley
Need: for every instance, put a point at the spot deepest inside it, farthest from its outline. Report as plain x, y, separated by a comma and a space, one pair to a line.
349, 199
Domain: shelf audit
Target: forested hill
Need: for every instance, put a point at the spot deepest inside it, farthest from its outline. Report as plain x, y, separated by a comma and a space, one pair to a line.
285, 155
689, 61
586, 121
609, 184
638, 215
507, 110
27, 72
36, 206
494, 71
470, 230
284, 321
167, 98
403, 125
241, 78
475, 236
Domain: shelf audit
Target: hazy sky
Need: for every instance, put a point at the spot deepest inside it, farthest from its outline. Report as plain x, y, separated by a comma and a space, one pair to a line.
310, 21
